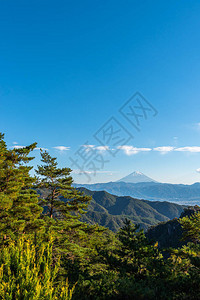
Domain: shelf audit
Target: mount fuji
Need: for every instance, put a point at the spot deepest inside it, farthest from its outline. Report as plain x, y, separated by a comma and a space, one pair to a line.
136, 177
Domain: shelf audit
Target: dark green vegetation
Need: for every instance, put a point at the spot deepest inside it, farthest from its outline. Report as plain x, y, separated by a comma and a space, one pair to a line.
48, 253
111, 211
169, 234
179, 193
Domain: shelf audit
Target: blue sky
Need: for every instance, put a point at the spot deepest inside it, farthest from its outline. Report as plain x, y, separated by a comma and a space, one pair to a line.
67, 67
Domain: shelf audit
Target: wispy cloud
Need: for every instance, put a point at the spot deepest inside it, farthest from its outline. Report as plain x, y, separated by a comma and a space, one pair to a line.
188, 149
62, 148
79, 172
41, 148
102, 148
130, 150
164, 149
88, 147
18, 147
99, 148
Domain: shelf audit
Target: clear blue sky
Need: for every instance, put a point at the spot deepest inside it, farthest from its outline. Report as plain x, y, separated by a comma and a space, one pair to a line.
66, 67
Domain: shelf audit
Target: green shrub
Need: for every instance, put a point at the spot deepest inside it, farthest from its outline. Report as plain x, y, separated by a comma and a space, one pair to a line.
28, 273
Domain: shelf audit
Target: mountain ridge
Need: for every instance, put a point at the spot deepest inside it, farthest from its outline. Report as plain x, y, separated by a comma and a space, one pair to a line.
155, 191
110, 210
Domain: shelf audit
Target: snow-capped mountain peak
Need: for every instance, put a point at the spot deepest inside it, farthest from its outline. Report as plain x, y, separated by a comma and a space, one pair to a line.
136, 177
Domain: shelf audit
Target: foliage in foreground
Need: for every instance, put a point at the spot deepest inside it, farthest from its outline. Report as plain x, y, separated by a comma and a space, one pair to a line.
30, 273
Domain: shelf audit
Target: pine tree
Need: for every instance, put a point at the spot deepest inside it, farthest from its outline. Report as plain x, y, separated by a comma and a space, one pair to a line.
61, 200
191, 226
135, 254
19, 209
62, 207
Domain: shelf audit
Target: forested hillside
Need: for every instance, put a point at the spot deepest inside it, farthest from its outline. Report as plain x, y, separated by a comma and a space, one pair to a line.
169, 234
110, 211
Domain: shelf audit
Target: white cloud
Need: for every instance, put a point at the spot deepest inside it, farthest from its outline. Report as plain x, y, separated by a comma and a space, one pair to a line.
62, 148
18, 147
99, 148
198, 170
127, 149
188, 149
79, 172
88, 147
40, 148
85, 172
15, 143
130, 150
164, 149
102, 148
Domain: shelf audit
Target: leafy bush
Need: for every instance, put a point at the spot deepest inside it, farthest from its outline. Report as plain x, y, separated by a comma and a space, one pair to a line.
28, 273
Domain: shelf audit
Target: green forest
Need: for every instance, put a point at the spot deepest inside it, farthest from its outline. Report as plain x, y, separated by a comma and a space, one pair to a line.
48, 252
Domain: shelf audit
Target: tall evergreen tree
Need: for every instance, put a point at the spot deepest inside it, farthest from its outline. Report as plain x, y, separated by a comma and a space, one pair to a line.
19, 209
135, 255
62, 207
61, 200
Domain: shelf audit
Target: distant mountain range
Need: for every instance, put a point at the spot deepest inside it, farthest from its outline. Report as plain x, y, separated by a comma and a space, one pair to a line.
109, 210
149, 190
136, 177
